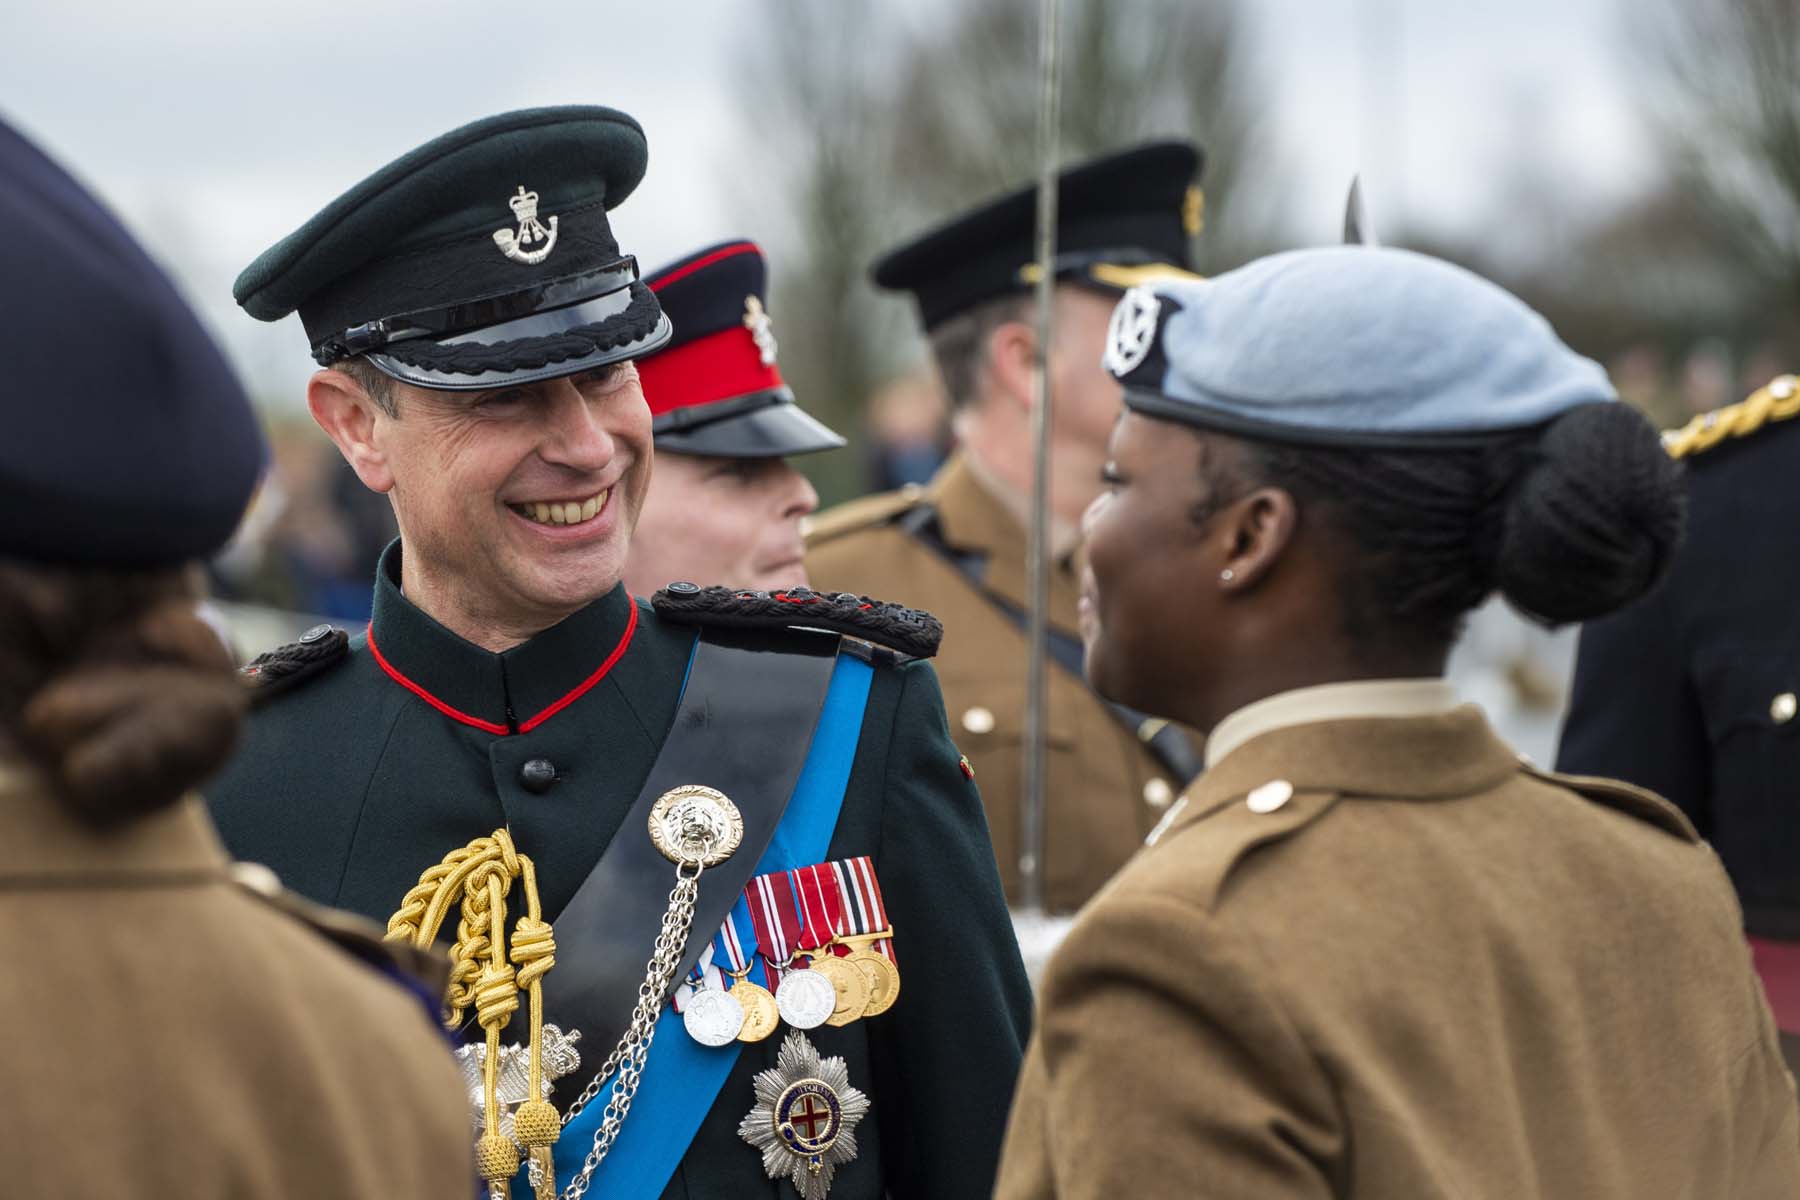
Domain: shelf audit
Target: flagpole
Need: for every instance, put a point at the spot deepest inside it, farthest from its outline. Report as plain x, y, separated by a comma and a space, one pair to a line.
1031, 823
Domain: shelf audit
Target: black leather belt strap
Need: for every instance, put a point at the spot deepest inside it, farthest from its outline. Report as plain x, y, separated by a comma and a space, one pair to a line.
744, 726
1166, 742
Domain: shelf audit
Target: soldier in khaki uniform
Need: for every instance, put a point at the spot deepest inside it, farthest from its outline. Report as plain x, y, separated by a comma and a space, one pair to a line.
178, 1027
957, 546
1372, 953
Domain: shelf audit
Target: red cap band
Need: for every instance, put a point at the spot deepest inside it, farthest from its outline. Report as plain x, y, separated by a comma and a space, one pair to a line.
708, 369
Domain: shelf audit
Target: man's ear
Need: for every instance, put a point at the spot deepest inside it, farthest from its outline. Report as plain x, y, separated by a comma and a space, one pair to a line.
349, 417
1258, 529
1010, 353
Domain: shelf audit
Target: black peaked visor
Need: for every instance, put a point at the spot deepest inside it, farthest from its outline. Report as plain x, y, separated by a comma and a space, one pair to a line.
764, 425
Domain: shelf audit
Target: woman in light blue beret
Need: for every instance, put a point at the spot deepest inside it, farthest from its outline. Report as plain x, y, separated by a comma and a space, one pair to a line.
1372, 952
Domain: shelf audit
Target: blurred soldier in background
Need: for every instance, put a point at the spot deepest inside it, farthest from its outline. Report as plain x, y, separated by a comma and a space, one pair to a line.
958, 545
724, 505
1692, 691
193, 1030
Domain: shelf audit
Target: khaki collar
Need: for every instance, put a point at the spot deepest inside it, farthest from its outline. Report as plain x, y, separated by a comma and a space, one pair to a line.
1433, 757
42, 843
1327, 702
974, 519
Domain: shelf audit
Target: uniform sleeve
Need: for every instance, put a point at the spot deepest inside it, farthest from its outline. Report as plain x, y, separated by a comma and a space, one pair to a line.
950, 1058
1163, 1067
1634, 713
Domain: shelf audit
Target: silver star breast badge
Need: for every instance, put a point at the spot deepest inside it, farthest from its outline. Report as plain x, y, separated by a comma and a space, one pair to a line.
805, 1117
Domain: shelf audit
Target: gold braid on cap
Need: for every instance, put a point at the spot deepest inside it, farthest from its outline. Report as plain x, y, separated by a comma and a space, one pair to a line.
479, 876
1777, 400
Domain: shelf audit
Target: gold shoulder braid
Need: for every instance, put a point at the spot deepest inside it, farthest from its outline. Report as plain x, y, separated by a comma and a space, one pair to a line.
694, 827
1777, 400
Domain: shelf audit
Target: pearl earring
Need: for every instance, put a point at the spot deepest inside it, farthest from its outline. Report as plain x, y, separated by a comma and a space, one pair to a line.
1227, 575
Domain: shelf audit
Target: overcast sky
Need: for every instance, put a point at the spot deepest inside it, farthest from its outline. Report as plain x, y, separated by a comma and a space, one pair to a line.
215, 127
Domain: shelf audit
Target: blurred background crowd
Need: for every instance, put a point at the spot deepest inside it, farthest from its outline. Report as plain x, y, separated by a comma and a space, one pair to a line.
1632, 170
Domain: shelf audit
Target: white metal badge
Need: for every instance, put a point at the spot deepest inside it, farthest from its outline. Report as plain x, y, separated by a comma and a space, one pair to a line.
1132, 332
513, 245
805, 1117
762, 332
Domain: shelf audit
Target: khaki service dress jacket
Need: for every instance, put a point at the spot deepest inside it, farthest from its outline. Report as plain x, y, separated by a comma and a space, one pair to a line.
174, 1032
1104, 788
1382, 957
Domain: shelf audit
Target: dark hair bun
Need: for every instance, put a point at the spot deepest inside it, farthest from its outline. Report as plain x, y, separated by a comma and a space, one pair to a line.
1593, 519
131, 730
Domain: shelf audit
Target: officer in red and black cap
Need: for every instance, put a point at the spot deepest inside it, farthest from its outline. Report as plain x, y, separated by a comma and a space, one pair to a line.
724, 504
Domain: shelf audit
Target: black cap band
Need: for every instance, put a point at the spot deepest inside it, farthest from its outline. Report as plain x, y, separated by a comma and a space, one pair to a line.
489, 314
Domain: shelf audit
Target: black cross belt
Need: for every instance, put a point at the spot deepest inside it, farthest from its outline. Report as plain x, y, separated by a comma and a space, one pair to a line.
1167, 743
744, 726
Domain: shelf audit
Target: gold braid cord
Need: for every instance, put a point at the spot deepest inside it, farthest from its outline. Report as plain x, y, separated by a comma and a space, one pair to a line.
1778, 400
484, 974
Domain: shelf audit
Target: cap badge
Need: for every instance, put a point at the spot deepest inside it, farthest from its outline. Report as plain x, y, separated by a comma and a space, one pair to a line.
756, 320
1193, 210
513, 245
1132, 332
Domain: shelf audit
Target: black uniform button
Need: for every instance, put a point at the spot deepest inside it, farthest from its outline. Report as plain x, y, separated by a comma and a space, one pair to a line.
537, 774
684, 588
314, 634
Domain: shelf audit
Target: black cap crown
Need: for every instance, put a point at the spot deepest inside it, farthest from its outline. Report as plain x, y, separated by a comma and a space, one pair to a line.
482, 258
1120, 220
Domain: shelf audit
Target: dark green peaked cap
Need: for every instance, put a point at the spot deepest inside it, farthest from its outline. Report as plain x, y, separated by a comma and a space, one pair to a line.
482, 258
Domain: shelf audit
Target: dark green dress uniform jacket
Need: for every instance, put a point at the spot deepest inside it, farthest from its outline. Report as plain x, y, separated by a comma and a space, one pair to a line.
353, 783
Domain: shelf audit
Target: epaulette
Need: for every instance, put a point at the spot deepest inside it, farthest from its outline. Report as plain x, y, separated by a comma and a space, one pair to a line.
425, 970
286, 667
910, 631
1622, 797
1233, 829
865, 513
1776, 400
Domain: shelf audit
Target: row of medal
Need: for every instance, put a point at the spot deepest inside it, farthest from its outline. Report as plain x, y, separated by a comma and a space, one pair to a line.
830, 990
831, 916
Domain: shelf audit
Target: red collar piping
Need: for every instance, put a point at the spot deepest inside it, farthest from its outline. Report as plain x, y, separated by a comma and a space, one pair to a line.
526, 726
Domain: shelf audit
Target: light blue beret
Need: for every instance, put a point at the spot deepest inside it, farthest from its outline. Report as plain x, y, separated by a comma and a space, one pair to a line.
1346, 345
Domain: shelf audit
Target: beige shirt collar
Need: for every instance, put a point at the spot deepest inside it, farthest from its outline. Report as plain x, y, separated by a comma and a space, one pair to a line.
1330, 702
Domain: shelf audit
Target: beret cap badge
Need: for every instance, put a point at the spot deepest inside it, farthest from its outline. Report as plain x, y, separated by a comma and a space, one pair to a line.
1132, 331
525, 209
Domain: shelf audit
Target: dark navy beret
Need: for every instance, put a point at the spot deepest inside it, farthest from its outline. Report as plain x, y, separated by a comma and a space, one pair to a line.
716, 388
128, 441
1346, 345
1120, 219
482, 258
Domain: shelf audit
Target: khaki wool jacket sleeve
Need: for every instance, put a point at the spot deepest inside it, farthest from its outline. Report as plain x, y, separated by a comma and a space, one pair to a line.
1166, 1069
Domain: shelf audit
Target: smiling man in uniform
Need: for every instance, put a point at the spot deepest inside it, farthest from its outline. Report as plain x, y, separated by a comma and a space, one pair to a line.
636, 771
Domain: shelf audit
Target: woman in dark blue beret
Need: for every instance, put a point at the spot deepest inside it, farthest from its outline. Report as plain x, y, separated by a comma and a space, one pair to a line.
177, 1025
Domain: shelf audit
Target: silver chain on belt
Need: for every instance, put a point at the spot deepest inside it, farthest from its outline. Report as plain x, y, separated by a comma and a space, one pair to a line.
628, 1057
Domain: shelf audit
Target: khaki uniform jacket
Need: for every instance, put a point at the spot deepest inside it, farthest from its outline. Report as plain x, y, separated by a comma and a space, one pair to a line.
174, 1033
1433, 972
1104, 789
